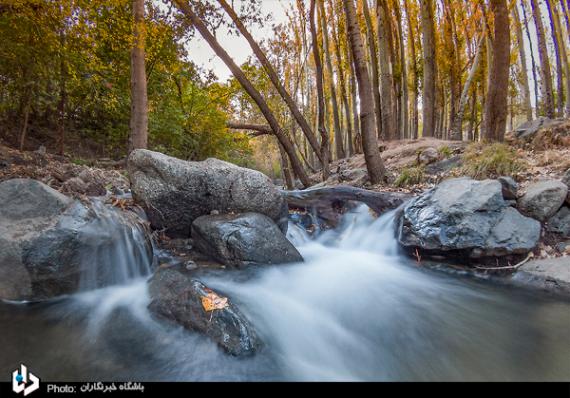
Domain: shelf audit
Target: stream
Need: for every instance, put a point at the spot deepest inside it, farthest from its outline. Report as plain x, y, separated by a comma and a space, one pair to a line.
356, 309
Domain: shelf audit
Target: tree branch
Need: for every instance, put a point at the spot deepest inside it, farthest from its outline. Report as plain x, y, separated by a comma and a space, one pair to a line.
258, 129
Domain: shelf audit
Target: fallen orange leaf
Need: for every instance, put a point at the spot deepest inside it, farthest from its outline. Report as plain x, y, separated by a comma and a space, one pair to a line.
212, 302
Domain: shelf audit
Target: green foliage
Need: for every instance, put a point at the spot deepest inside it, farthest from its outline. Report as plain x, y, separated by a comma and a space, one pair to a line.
82, 48
483, 161
445, 151
410, 176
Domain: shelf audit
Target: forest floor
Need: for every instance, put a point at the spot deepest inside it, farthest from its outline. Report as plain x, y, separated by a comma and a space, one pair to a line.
546, 156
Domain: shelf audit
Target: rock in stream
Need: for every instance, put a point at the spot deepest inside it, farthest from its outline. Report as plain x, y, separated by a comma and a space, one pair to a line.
178, 297
243, 239
52, 245
175, 192
468, 218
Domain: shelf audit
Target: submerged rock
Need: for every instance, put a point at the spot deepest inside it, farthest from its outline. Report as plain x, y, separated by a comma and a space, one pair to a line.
243, 239
543, 199
466, 217
178, 297
174, 192
52, 245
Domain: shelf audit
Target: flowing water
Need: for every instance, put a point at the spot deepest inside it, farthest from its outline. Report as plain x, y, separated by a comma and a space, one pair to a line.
354, 310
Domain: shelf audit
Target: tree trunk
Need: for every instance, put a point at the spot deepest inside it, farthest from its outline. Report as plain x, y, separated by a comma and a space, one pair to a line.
374, 164
386, 77
557, 52
546, 74
285, 170
138, 137
566, 12
533, 61
355, 116
415, 74
342, 83
496, 104
452, 51
301, 121
249, 88
357, 141
24, 131
404, 76
339, 145
522, 56
470, 135
373, 53
62, 97
320, 93
429, 78
564, 56
457, 118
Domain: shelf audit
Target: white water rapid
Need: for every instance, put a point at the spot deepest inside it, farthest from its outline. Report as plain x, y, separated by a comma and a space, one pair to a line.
356, 309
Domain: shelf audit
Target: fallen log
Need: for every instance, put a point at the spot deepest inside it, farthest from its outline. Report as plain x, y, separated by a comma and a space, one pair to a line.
329, 203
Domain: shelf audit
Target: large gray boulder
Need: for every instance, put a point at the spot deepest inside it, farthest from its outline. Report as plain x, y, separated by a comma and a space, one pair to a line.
51, 245
543, 199
178, 297
560, 222
466, 217
243, 239
174, 192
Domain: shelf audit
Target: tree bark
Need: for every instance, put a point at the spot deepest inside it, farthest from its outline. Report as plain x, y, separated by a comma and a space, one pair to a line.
373, 53
249, 88
404, 76
496, 104
259, 129
386, 77
357, 142
557, 52
62, 96
138, 137
564, 56
532, 59
374, 164
285, 170
343, 88
452, 51
522, 57
470, 134
320, 93
301, 121
429, 78
457, 118
24, 131
339, 145
546, 74
415, 75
